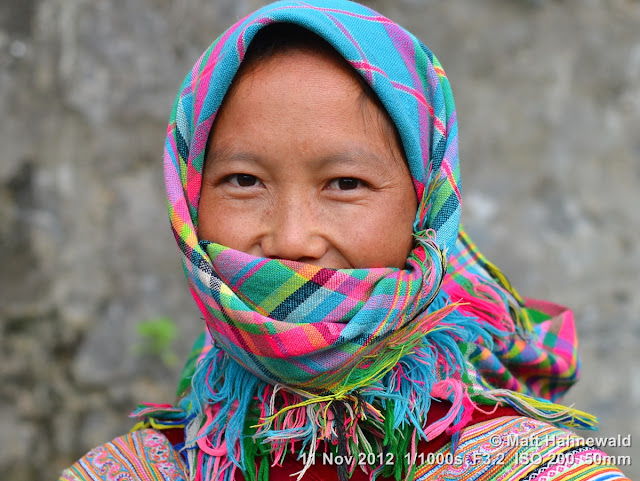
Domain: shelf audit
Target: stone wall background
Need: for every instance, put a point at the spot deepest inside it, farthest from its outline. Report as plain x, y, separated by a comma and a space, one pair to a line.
548, 96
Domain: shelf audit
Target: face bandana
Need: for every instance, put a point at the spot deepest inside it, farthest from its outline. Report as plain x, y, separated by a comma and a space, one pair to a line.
302, 358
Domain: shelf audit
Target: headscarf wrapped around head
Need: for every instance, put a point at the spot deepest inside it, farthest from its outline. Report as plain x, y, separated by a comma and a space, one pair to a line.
302, 355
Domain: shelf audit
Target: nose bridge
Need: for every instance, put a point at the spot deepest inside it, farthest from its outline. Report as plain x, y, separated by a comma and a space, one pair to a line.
293, 232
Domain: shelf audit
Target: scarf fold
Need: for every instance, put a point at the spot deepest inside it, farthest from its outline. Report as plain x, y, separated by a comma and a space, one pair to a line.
299, 358
317, 329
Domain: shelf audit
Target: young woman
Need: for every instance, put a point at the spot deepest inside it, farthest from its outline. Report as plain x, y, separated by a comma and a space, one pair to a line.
353, 330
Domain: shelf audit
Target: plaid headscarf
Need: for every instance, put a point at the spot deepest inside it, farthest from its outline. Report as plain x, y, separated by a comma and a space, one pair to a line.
299, 354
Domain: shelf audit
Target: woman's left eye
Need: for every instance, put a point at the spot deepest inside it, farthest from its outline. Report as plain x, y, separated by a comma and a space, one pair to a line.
346, 183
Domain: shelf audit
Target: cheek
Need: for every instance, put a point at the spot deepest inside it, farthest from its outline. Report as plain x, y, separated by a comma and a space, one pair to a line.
380, 235
396, 238
224, 222
398, 221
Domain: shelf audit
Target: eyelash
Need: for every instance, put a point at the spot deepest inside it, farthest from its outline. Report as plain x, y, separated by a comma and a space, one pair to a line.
360, 183
235, 179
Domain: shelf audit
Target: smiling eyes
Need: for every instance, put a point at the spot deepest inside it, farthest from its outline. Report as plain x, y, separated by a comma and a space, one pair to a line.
346, 183
340, 183
244, 180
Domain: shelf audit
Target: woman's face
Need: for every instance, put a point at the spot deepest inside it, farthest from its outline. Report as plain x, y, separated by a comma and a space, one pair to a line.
302, 166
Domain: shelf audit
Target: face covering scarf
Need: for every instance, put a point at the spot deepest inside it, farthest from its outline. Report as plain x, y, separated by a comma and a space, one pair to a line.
299, 358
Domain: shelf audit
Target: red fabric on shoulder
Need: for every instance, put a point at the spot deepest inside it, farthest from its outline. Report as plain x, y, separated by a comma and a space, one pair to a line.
174, 435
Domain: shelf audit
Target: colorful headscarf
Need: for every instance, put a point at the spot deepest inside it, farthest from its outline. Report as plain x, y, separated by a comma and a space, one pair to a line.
301, 355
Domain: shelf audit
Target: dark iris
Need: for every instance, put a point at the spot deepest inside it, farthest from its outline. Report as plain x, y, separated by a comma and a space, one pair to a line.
246, 180
348, 183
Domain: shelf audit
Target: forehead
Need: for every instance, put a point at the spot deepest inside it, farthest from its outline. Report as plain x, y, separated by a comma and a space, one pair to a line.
291, 70
287, 85
302, 59
290, 92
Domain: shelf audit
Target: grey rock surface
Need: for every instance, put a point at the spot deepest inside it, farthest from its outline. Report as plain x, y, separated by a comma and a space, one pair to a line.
548, 97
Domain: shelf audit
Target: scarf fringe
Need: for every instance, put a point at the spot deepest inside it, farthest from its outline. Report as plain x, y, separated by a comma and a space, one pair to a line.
503, 299
238, 421
241, 422
541, 409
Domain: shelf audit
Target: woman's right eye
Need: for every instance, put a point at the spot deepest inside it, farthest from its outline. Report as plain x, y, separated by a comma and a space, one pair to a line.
243, 180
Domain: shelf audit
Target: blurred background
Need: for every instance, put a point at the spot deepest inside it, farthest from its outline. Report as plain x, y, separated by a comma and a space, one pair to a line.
95, 315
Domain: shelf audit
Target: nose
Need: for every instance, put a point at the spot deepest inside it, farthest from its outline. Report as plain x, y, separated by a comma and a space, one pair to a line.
294, 233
